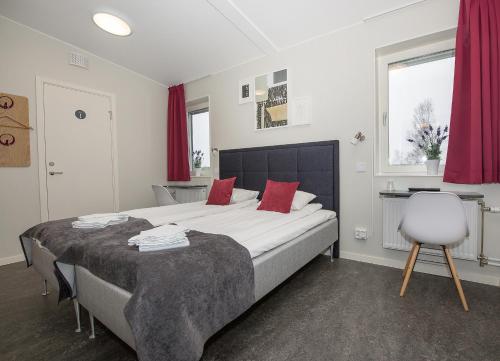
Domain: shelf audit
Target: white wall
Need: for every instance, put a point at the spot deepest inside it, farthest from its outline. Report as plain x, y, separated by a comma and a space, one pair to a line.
141, 112
338, 72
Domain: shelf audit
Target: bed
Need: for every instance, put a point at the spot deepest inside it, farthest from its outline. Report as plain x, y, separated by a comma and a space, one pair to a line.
315, 165
43, 260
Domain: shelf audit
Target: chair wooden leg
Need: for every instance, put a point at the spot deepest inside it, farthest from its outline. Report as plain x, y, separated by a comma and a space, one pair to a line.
411, 265
408, 260
454, 274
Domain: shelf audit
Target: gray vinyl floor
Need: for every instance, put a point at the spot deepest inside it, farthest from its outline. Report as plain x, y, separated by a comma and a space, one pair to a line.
342, 311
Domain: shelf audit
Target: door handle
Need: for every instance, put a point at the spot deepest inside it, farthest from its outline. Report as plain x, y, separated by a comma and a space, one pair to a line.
54, 173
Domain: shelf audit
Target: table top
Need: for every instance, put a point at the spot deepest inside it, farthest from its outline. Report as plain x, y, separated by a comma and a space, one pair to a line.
186, 186
406, 194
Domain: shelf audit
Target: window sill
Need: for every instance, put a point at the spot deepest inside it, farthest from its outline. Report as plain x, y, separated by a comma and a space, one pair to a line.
400, 174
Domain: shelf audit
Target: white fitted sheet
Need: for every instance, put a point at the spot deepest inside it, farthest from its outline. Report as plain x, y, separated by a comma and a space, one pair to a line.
159, 216
261, 231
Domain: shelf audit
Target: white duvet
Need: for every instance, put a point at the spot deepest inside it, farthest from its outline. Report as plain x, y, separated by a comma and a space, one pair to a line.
159, 216
260, 231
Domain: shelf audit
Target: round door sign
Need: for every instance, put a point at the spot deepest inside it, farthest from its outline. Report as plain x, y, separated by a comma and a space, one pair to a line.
80, 114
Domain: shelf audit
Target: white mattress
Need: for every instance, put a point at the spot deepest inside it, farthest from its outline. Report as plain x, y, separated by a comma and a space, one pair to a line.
159, 216
261, 231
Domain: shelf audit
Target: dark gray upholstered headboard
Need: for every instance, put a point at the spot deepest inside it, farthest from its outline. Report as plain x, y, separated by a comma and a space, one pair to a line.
315, 165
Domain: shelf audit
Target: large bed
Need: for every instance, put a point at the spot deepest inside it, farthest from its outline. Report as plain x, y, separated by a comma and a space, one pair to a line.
289, 244
43, 260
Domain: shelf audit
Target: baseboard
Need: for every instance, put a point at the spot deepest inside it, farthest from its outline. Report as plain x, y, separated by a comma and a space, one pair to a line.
423, 268
11, 259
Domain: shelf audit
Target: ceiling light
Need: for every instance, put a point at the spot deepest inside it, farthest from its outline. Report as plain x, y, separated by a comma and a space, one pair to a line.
112, 24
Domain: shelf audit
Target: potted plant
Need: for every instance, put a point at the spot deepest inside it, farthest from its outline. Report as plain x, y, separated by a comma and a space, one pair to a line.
197, 159
429, 141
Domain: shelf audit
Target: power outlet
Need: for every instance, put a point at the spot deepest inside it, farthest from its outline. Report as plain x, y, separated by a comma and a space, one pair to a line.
361, 233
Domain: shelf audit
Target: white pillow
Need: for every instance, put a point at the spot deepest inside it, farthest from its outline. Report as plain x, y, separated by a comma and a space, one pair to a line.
240, 195
301, 199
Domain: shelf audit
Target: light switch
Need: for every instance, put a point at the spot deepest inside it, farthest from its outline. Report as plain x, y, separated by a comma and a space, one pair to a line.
361, 167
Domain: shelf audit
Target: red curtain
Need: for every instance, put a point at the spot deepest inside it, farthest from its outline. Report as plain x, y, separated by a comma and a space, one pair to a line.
177, 140
474, 144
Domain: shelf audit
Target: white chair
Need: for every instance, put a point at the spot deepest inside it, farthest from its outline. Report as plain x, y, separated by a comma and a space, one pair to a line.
436, 218
163, 196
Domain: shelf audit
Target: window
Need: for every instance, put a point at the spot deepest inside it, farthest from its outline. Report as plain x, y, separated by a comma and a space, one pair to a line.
415, 94
199, 135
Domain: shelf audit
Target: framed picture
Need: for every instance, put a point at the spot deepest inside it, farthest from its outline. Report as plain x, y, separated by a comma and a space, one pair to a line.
245, 91
271, 100
301, 111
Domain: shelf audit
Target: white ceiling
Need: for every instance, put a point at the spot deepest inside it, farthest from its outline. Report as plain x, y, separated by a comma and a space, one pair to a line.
175, 41
172, 40
288, 23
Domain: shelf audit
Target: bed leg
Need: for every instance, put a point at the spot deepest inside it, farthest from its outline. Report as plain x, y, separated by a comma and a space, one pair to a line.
77, 314
331, 253
92, 329
45, 291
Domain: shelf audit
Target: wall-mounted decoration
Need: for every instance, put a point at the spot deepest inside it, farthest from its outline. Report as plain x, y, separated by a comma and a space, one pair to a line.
14, 131
271, 100
7, 139
302, 111
245, 91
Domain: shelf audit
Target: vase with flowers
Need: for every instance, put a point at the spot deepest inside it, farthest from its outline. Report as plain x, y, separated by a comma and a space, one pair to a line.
429, 142
197, 159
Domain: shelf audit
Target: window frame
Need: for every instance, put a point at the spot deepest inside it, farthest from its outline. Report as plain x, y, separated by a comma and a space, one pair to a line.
201, 108
383, 168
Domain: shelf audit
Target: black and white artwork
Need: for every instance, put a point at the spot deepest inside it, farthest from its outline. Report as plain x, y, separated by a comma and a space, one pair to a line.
245, 91
271, 100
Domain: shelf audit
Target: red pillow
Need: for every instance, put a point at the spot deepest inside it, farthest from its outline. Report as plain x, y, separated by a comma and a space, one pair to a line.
278, 196
221, 191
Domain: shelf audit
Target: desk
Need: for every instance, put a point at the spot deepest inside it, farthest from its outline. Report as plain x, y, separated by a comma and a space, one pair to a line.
407, 194
188, 193
393, 207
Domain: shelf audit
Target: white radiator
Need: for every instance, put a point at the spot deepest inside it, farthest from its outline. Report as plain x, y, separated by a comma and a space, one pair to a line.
393, 210
188, 195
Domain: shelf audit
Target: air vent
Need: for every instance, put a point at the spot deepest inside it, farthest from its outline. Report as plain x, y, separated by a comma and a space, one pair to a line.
78, 60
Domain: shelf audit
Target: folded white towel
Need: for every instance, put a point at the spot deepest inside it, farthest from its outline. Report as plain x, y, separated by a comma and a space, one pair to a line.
101, 216
167, 233
160, 247
157, 240
166, 230
99, 220
164, 237
79, 224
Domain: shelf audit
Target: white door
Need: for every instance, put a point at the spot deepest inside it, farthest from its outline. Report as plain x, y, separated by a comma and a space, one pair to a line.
78, 152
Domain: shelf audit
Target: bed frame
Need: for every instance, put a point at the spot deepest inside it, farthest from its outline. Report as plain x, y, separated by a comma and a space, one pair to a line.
315, 165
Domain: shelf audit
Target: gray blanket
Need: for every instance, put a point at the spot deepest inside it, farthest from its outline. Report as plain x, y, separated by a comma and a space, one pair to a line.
180, 297
68, 244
